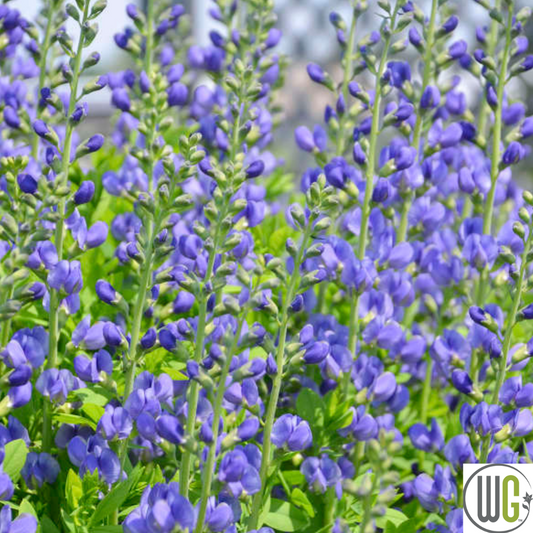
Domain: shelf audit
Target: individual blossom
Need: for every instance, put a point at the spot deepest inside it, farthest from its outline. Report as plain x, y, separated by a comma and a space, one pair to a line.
40, 468
293, 432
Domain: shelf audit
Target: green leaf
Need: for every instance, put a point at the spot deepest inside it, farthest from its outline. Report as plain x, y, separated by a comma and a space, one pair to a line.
403, 377
106, 529
15, 457
299, 498
408, 526
27, 508
391, 515
293, 477
390, 528
285, 517
94, 412
279, 237
47, 526
310, 406
97, 396
341, 421
74, 419
435, 519
73, 489
68, 521
176, 375
115, 498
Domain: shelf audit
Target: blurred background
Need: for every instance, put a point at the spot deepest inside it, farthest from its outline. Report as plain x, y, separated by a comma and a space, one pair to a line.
307, 37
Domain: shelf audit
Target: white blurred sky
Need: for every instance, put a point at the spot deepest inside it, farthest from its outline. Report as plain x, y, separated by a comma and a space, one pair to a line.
300, 21
114, 19
296, 18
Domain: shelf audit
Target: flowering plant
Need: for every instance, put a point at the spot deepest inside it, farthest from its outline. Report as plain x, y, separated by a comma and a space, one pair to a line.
189, 342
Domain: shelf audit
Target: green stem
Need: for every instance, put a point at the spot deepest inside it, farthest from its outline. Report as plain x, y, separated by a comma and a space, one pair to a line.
497, 129
42, 70
192, 401
417, 132
354, 322
152, 228
276, 385
53, 329
6, 327
329, 511
496, 150
424, 401
367, 512
209, 467
373, 142
339, 151
149, 37
347, 75
491, 49
502, 362
353, 334
194, 389
369, 185
138, 311
358, 456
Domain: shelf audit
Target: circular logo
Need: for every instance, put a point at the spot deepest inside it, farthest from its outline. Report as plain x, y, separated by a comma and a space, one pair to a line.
497, 498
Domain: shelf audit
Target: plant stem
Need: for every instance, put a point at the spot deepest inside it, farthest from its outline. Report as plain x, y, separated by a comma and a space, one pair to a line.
347, 75
502, 366
194, 389
138, 311
53, 320
209, 468
367, 508
185, 465
417, 132
497, 129
496, 150
340, 148
152, 227
369, 185
491, 48
42, 70
6, 326
374, 133
149, 37
276, 385
329, 511
424, 401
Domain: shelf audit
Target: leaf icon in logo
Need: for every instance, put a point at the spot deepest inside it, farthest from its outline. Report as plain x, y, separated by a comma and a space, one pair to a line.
527, 499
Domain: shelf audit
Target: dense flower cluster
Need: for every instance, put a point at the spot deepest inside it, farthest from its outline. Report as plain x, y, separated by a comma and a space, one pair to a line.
189, 342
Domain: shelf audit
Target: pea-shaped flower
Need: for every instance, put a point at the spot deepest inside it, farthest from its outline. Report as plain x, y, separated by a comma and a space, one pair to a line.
93, 455
115, 423
239, 473
24, 522
40, 468
95, 369
321, 473
56, 384
161, 507
292, 432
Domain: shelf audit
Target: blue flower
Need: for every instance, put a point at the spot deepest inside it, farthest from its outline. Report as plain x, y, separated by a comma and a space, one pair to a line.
24, 522
93, 455
293, 432
40, 468
161, 507
321, 473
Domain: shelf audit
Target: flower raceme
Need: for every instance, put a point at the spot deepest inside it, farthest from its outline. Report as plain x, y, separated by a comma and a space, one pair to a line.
193, 342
